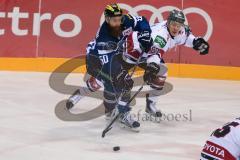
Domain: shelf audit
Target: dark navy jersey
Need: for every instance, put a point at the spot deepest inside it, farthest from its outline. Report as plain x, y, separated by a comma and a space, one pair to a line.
105, 42
105, 45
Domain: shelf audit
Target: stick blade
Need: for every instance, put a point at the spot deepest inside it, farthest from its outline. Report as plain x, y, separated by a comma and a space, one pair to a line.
105, 131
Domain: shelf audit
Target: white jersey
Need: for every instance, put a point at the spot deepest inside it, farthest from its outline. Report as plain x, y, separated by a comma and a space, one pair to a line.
162, 42
224, 143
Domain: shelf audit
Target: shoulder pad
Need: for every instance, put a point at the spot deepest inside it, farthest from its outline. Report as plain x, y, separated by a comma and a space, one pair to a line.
127, 20
101, 30
127, 17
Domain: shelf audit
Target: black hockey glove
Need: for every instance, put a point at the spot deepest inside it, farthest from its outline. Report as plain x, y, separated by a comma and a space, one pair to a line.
151, 72
123, 81
201, 45
145, 40
94, 65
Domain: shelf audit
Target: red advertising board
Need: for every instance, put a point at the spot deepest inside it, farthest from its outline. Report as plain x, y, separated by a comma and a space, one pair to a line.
62, 28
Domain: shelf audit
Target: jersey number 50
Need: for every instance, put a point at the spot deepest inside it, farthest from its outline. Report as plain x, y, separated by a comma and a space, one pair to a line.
104, 59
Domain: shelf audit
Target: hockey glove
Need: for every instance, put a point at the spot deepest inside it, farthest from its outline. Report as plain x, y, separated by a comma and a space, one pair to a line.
201, 45
151, 72
123, 81
145, 40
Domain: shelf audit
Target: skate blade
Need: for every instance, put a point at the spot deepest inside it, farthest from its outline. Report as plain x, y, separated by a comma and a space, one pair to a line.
129, 128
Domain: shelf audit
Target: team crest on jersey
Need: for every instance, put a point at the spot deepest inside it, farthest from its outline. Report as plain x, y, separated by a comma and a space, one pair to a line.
127, 32
161, 41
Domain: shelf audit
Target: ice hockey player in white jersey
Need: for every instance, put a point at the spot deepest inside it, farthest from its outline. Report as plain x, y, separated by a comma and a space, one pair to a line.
164, 36
224, 143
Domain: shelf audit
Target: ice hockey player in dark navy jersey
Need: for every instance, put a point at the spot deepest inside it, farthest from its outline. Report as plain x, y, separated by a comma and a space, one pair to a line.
102, 66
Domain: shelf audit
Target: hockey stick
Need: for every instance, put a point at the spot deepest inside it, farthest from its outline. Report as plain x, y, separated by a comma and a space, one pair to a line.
109, 127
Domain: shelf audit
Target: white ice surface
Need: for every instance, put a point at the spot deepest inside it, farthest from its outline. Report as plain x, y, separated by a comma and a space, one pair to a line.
30, 130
